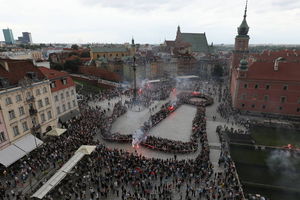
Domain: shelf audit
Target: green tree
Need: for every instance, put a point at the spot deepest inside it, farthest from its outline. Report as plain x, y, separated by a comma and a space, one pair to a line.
56, 66
72, 65
75, 47
85, 54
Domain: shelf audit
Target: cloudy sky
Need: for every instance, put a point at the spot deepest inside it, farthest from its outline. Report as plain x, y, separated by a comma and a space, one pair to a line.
150, 21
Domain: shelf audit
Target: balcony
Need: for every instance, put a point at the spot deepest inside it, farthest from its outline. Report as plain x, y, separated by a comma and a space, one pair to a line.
32, 111
30, 99
35, 128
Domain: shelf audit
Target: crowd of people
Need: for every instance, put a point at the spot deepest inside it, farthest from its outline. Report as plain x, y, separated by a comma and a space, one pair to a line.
118, 174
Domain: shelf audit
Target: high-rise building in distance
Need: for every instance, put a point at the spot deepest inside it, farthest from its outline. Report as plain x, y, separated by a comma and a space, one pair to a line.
8, 36
26, 38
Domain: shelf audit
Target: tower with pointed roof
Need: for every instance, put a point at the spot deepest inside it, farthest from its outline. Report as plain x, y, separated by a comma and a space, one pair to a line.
241, 47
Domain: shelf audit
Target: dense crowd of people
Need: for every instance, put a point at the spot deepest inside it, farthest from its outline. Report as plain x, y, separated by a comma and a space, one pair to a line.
117, 174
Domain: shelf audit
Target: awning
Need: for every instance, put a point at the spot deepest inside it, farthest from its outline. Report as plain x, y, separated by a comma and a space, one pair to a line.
56, 132
18, 149
86, 149
66, 117
63, 171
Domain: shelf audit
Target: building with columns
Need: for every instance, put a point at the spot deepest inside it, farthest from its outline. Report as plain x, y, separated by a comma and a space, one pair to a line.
268, 82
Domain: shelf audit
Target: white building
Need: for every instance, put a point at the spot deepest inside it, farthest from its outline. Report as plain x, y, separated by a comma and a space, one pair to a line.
64, 95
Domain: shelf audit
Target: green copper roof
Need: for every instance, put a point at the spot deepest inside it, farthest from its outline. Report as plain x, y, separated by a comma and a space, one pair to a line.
243, 64
109, 49
243, 29
197, 40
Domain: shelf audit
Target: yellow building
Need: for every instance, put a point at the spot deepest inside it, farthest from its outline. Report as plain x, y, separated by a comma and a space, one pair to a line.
111, 52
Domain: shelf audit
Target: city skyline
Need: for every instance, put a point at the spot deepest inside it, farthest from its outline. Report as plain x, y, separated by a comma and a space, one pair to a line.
91, 21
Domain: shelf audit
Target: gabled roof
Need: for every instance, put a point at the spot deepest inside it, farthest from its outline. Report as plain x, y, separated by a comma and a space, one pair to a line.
109, 49
197, 40
57, 77
15, 70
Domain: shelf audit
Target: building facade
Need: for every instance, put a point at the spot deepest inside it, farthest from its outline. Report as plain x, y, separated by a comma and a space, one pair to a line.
25, 100
266, 83
63, 93
110, 52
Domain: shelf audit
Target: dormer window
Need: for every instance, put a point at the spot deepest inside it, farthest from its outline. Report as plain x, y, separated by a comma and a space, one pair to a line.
52, 85
32, 75
64, 81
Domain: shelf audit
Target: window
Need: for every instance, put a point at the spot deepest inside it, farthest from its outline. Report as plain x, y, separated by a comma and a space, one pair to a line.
38, 92
18, 98
67, 94
47, 101
246, 85
11, 114
74, 103
49, 115
266, 97
298, 109
43, 118
69, 105
285, 87
263, 106
16, 130
72, 92
21, 111
282, 99
256, 86
2, 137
267, 87
8, 101
64, 81
280, 108
25, 127
58, 109
62, 96
56, 98
243, 105
64, 107
253, 106
44, 90
52, 85
40, 103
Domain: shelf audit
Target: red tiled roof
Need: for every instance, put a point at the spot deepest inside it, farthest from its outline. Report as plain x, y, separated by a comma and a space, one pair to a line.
17, 70
264, 70
57, 76
102, 73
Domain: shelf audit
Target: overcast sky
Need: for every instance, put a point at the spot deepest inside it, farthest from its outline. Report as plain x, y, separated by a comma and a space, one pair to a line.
150, 21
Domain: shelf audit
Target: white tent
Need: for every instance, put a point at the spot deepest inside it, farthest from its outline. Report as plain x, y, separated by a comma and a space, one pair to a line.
18, 149
56, 132
63, 171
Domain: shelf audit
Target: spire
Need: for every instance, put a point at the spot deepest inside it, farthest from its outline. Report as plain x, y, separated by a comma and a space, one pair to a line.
245, 14
244, 28
178, 29
132, 41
